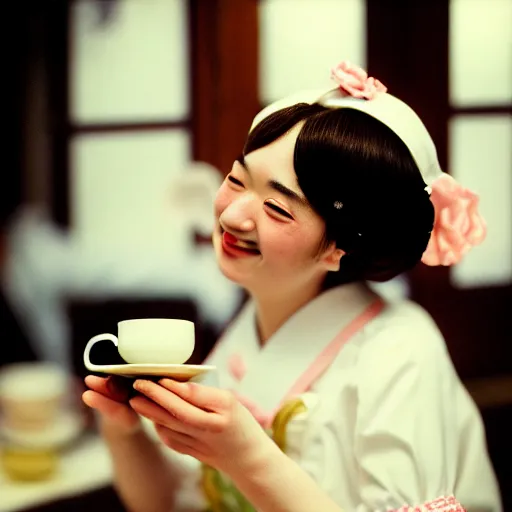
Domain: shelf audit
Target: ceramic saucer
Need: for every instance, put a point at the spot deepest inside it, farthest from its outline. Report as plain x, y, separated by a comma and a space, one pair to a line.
180, 372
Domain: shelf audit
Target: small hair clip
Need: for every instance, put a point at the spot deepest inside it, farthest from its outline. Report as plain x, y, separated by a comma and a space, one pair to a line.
338, 205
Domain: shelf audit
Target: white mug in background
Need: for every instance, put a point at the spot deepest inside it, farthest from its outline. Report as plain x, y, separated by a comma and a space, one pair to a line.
149, 341
32, 395
37, 419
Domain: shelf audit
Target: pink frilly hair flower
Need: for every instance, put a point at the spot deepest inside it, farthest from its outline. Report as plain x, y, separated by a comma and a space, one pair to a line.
457, 227
355, 82
443, 504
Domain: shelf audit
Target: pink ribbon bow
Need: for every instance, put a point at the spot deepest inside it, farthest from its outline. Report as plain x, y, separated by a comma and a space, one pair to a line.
354, 81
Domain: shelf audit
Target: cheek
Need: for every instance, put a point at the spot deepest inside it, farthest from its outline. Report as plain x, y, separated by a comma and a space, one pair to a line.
222, 200
287, 243
294, 244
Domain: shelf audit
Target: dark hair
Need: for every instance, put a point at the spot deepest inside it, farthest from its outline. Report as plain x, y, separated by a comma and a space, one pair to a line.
346, 158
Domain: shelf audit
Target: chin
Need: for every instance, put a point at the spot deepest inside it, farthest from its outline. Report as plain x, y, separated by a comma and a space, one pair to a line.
226, 266
231, 273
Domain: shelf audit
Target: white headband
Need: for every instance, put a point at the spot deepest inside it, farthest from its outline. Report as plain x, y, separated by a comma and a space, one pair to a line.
388, 109
458, 225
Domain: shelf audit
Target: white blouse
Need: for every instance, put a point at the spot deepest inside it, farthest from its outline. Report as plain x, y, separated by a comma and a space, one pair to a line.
388, 423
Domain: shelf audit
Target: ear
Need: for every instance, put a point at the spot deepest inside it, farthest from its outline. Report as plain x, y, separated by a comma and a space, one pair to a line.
332, 257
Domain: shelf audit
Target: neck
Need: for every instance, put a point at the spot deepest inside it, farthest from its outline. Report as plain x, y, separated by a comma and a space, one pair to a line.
275, 308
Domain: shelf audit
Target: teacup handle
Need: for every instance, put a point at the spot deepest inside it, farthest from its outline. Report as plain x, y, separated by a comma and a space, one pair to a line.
100, 337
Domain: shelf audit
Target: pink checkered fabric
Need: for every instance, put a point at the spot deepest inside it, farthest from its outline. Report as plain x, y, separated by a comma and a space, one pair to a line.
443, 504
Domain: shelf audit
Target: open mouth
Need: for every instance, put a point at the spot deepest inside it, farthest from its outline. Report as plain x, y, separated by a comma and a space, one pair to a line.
237, 246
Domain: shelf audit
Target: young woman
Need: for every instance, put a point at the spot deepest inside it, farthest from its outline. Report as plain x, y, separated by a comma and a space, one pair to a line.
328, 397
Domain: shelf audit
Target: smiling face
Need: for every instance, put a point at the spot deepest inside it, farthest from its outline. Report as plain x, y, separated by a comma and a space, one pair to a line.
267, 235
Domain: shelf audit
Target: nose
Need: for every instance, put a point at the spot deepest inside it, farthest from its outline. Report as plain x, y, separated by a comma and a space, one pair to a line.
239, 215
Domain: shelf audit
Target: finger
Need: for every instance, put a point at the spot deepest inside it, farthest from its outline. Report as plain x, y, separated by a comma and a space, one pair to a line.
95, 383
204, 397
159, 415
181, 411
112, 387
166, 434
150, 410
177, 442
114, 411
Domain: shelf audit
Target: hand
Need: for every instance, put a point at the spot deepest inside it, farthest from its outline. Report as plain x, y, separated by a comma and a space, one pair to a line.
207, 423
111, 399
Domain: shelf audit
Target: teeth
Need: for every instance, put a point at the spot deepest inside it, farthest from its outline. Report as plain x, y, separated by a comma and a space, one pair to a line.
245, 245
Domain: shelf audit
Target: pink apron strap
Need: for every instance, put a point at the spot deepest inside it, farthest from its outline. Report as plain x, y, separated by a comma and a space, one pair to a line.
314, 371
327, 356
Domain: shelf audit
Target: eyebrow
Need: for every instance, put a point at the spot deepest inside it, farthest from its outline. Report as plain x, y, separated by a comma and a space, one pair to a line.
277, 186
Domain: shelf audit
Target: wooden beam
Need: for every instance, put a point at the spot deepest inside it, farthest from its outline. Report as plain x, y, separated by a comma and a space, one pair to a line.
408, 51
224, 41
491, 392
57, 54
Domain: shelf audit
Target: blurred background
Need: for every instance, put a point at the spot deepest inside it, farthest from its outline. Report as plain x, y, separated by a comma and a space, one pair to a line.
124, 115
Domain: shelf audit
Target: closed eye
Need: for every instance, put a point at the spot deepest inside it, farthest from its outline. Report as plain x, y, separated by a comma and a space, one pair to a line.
278, 210
235, 181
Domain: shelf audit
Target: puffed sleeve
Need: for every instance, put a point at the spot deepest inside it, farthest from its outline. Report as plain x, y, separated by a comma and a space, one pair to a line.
406, 426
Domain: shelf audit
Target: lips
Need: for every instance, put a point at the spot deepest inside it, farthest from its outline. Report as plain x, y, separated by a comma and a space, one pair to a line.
238, 247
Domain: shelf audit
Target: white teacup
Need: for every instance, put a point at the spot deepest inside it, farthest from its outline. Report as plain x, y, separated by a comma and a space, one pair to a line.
150, 341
